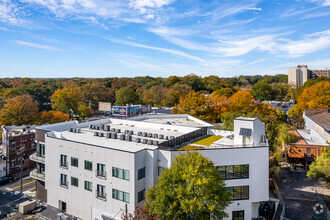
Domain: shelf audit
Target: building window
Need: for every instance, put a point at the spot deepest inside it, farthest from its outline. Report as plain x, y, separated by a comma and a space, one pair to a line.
42, 168
88, 165
238, 192
42, 150
63, 161
74, 161
309, 151
141, 173
160, 170
100, 171
74, 181
234, 172
141, 195
100, 192
64, 180
238, 215
120, 195
88, 186
120, 173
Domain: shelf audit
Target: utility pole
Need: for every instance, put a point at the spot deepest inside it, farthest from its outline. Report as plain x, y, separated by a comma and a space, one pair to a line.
126, 211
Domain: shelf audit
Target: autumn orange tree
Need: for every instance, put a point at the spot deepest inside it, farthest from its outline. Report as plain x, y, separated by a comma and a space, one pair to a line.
53, 117
20, 110
316, 96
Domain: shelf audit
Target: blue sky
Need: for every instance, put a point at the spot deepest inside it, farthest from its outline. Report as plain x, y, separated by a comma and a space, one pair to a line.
105, 38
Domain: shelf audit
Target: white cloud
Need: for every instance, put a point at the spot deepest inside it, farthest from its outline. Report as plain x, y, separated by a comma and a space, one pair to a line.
309, 44
254, 62
40, 46
8, 13
322, 2
143, 5
254, 9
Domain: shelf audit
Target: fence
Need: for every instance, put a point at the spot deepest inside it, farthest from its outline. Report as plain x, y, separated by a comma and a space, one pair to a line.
326, 211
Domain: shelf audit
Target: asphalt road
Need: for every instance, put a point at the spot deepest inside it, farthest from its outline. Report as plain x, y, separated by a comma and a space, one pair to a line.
28, 183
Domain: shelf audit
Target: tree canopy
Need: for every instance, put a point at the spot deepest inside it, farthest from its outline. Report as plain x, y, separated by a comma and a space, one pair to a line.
191, 189
19, 110
320, 168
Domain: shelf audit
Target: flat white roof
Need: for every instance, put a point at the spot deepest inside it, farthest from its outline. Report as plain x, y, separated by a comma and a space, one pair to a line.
87, 135
311, 139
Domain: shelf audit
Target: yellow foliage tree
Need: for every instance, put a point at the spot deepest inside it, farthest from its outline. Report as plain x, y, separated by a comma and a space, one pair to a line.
53, 117
19, 110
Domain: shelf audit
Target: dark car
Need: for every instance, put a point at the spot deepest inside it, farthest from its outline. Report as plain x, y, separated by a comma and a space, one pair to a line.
6, 179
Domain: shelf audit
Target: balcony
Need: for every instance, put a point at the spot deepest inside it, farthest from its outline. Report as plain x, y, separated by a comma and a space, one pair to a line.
64, 183
36, 158
101, 195
101, 174
63, 164
37, 175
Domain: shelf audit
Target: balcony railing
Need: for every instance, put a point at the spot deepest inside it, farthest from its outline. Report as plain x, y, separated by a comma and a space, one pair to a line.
101, 174
37, 175
37, 158
63, 164
101, 195
64, 183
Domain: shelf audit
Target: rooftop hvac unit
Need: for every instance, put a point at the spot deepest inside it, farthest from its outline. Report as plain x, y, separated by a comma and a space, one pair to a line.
172, 137
144, 141
139, 133
71, 130
126, 132
101, 134
166, 137
113, 130
108, 135
90, 126
97, 128
150, 142
96, 133
131, 132
78, 130
161, 136
113, 135
122, 137
128, 137
117, 130
137, 140
150, 135
145, 134
155, 143
107, 128
155, 135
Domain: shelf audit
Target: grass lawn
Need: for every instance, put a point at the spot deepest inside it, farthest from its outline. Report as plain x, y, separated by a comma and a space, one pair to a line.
191, 147
208, 140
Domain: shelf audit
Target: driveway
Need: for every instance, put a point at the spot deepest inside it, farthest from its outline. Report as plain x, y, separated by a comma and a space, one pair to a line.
299, 193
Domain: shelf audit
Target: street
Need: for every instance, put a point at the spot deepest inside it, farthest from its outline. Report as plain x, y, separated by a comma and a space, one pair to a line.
28, 184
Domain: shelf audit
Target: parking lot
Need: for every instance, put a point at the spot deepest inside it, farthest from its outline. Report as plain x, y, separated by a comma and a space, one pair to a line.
299, 193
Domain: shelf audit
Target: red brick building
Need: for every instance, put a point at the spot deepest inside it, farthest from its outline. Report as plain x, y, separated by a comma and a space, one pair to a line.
17, 142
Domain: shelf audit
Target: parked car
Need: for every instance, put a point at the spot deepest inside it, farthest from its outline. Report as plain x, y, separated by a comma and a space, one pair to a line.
6, 179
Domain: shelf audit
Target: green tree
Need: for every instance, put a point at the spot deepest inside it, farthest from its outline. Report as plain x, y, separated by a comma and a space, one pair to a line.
126, 95
262, 90
66, 99
320, 168
19, 110
191, 189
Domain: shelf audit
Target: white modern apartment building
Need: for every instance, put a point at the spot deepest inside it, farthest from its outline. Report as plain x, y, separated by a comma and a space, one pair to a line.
94, 170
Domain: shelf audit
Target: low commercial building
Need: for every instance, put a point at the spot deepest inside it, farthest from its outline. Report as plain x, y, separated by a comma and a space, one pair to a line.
312, 138
94, 170
17, 145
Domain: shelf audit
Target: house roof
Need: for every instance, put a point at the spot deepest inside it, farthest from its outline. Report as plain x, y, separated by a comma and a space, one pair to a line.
321, 116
